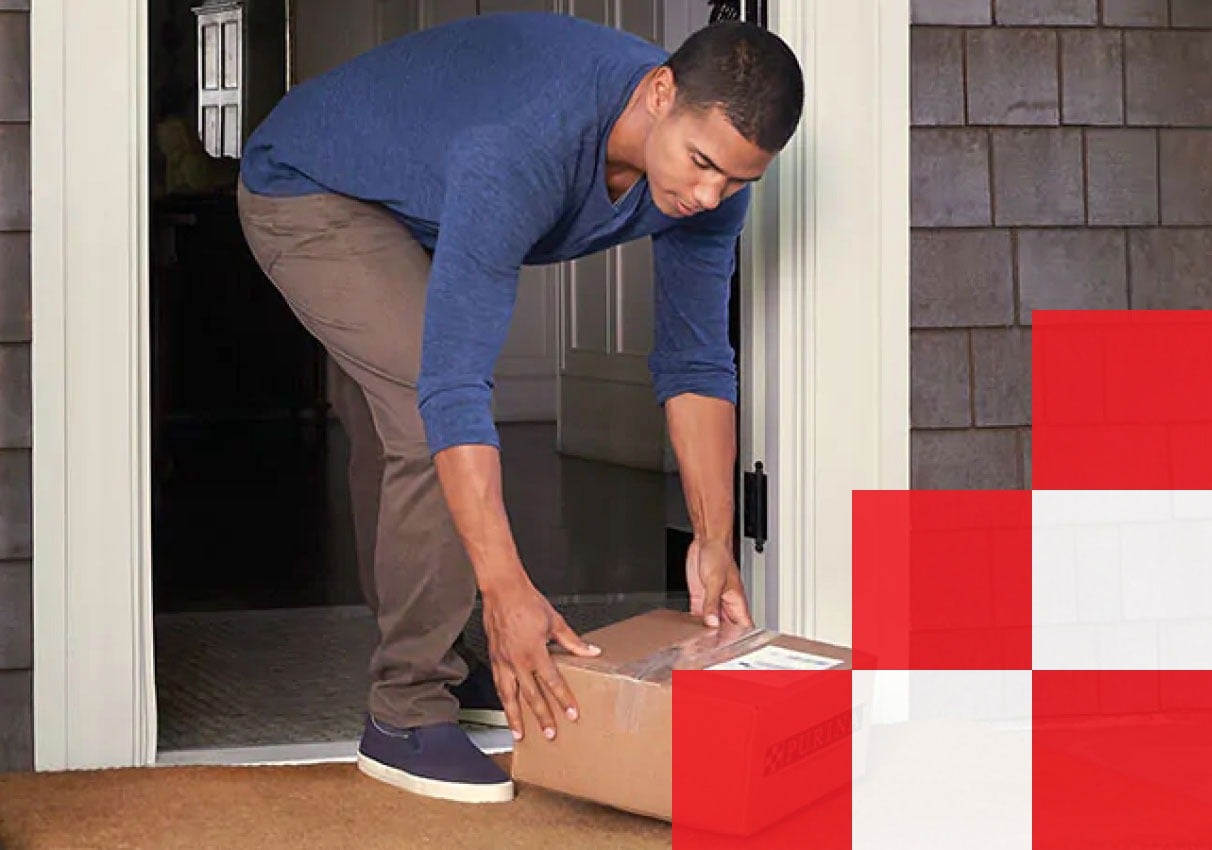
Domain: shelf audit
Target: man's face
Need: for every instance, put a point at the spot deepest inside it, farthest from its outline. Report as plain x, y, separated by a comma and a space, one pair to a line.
695, 159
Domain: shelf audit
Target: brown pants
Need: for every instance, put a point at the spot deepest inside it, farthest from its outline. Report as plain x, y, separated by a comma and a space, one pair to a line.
356, 279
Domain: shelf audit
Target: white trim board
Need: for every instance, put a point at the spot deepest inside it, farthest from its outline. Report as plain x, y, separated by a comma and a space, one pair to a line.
826, 327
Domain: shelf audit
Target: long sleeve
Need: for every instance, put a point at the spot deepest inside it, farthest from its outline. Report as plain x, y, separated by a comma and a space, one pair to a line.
693, 264
503, 192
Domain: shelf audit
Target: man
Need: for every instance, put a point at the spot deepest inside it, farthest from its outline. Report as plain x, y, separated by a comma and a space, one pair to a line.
392, 201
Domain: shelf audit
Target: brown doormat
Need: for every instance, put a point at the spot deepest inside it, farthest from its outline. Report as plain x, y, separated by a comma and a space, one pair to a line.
293, 808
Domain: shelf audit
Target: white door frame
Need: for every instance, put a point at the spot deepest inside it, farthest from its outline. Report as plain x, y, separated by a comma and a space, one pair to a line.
94, 698
825, 325
826, 319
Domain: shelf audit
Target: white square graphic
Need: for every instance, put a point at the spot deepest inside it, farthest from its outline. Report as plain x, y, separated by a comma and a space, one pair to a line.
956, 773
1121, 580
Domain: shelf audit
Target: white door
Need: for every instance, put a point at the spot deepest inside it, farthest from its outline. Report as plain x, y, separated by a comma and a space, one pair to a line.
607, 410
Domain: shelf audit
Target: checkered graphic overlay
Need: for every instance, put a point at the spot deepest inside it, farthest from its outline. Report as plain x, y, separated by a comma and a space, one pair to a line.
1032, 669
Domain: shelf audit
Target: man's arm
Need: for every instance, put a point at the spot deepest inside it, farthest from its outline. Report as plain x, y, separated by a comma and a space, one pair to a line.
489, 222
703, 433
694, 374
471, 482
501, 196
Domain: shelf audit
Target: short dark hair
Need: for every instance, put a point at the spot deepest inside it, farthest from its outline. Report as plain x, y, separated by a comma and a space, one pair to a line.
749, 73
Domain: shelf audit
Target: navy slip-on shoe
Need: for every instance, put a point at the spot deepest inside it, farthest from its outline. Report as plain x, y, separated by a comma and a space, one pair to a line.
433, 761
478, 699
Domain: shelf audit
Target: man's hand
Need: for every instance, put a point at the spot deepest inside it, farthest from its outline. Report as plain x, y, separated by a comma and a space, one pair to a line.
519, 622
715, 584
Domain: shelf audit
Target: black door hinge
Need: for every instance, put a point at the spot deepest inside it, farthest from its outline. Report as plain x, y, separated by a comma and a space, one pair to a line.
755, 506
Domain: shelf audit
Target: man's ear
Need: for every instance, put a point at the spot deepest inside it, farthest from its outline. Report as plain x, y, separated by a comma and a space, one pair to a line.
661, 92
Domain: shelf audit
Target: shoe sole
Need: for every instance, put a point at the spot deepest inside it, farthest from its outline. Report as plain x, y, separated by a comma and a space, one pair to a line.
483, 717
459, 792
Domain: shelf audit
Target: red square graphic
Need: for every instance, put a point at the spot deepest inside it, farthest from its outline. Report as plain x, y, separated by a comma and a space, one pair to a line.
1120, 399
762, 759
942, 579
1106, 777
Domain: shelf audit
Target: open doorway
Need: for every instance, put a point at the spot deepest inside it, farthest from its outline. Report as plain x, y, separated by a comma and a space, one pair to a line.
261, 635
807, 347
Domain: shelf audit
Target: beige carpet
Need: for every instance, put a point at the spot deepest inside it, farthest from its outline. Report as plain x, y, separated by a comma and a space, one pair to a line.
292, 808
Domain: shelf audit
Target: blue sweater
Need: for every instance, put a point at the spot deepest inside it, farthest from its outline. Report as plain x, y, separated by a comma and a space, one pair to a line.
487, 138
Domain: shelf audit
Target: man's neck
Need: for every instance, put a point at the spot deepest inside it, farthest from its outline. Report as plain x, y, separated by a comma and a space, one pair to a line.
625, 147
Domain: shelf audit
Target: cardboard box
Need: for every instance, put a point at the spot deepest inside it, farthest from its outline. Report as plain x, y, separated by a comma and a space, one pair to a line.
620, 752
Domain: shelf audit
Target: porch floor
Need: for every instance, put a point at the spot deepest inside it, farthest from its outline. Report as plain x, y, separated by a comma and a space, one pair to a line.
261, 637
298, 676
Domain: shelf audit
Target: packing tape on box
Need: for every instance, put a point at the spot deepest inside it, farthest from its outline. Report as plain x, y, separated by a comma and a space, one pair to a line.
697, 653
